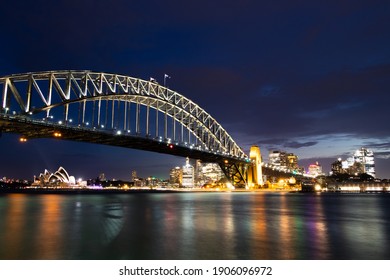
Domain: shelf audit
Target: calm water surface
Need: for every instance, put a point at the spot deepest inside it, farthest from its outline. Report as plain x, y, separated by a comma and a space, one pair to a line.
195, 226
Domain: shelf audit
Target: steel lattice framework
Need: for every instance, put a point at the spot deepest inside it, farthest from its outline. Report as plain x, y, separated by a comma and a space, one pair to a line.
111, 104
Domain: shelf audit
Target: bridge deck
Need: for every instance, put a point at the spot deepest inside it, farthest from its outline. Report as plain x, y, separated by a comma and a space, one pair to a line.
31, 129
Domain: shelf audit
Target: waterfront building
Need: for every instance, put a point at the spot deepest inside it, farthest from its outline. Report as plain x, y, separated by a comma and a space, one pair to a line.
175, 176
277, 158
292, 161
60, 178
198, 172
366, 158
315, 169
139, 182
134, 176
152, 182
337, 167
102, 177
284, 161
361, 162
208, 173
188, 175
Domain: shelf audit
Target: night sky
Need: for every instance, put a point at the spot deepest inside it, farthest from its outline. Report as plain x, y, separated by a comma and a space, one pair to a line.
306, 77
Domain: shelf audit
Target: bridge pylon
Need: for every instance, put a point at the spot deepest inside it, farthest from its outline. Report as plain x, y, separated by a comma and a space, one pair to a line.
255, 175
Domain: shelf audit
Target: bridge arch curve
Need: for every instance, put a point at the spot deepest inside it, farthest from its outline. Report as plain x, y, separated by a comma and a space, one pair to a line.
121, 104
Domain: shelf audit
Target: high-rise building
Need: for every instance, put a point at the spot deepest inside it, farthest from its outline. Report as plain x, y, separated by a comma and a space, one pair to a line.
134, 176
292, 161
361, 162
175, 176
198, 172
188, 175
102, 177
207, 173
337, 167
366, 158
315, 169
284, 160
277, 158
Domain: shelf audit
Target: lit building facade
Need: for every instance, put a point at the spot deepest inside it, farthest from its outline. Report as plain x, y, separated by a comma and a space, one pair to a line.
188, 175
102, 177
337, 167
366, 158
134, 176
286, 161
292, 161
60, 178
277, 158
361, 162
175, 176
315, 169
207, 173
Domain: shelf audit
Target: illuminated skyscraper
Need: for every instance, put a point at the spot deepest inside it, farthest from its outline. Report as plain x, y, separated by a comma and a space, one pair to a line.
277, 158
286, 161
292, 161
361, 162
188, 175
366, 158
175, 176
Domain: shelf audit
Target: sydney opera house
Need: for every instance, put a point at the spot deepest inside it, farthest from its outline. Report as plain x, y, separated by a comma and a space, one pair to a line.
58, 179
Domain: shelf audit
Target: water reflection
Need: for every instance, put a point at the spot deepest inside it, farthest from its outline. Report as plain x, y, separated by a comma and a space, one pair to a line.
13, 226
286, 230
47, 234
195, 226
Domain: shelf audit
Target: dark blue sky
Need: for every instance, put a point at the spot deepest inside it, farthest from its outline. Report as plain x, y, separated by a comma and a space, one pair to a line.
306, 77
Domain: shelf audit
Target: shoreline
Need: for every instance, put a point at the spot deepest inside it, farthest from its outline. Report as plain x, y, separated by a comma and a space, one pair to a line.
133, 191
194, 190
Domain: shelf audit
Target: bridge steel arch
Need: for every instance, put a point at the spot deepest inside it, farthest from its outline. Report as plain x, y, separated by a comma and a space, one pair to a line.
116, 110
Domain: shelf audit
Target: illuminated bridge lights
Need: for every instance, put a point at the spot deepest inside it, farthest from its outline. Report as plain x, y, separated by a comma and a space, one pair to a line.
115, 110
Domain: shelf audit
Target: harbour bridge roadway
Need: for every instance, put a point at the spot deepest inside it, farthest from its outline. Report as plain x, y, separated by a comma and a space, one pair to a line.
30, 129
120, 111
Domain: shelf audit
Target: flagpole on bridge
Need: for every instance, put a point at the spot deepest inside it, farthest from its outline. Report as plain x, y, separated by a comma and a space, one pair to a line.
165, 79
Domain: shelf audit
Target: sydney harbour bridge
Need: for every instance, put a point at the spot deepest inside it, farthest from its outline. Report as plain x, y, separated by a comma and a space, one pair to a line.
121, 111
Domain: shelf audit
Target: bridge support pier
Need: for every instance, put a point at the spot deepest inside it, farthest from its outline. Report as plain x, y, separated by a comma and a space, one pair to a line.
255, 174
235, 172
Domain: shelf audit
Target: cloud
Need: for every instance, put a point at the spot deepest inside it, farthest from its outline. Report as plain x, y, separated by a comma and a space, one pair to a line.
296, 145
383, 145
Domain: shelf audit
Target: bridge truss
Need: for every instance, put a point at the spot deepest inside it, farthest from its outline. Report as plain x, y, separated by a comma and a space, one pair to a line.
116, 110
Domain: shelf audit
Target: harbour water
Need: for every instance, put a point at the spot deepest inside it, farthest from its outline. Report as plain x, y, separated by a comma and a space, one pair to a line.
194, 225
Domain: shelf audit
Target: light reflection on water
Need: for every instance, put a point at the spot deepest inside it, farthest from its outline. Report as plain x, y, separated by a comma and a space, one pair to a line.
195, 226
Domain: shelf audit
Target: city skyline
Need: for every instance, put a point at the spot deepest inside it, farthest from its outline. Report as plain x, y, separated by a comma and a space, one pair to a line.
274, 159
309, 78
